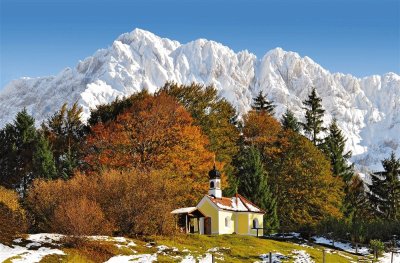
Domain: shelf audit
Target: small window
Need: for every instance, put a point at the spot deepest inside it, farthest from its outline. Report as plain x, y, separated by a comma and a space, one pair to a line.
227, 221
212, 184
255, 223
218, 185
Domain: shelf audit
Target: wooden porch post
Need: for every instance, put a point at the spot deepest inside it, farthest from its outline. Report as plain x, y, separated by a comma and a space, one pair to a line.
186, 225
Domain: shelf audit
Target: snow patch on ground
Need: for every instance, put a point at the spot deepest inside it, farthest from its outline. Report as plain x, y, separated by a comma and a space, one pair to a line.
301, 256
387, 258
24, 255
44, 238
341, 245
276, 257
191, 259
143, 258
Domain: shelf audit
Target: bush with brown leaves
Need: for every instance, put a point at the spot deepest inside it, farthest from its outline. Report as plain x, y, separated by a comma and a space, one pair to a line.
126, 203
12, 216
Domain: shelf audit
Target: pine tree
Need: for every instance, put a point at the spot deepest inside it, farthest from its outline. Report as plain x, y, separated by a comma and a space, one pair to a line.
261, 104
289, 121
66, 132
384, 191
43, 160
314, 114
17, 142
253, 185
334, 147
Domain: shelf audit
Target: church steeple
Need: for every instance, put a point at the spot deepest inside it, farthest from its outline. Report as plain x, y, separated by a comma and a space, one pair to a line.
215, 182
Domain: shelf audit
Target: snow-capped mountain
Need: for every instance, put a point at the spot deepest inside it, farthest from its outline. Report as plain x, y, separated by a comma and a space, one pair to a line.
367, 109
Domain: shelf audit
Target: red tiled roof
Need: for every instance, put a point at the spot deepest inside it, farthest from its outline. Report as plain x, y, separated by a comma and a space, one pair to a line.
236, 203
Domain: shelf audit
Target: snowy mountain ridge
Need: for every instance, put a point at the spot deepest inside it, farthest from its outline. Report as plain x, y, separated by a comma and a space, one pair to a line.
367, 109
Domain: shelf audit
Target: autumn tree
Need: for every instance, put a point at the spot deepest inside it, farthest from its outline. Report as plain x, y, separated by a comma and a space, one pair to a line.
313, 124
265, 133
109, 112
262, 104
215, 116
155, 133
307, 192
66, 132
298, 173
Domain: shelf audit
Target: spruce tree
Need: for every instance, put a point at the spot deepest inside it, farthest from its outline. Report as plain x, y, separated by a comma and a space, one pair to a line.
261, 104
334, 148
252, 183
384, 191
66, 132
43, 160
289, 121
314, 114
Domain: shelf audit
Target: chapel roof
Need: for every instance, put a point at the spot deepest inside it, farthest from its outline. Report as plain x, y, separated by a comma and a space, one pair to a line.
237, 203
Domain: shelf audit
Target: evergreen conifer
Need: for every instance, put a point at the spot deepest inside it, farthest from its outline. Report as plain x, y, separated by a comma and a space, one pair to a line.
384, 191
253, 185
334, 147
314, 114
261, 104
289, 121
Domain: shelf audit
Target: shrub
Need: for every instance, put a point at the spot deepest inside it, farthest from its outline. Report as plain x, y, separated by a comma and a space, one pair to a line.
80, 216
130, 203
12, 216
377, 247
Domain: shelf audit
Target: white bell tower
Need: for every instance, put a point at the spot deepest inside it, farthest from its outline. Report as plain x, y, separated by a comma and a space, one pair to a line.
215, 183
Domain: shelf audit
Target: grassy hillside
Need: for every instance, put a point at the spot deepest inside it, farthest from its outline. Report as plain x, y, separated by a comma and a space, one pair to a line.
182, 248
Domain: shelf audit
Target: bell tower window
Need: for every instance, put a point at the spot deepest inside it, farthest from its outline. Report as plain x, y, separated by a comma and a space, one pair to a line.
211, 184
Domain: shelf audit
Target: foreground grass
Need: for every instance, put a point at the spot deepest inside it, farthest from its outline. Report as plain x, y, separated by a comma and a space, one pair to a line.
248, 249
226, 248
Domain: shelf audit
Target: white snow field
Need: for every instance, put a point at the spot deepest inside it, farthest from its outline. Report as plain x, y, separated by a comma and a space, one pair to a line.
367, 109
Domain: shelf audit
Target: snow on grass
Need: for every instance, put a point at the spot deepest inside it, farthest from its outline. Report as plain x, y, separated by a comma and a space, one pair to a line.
341, 245
276, 257
387, 258
45, 238
24, 255
143, 258
191, 259
301, 256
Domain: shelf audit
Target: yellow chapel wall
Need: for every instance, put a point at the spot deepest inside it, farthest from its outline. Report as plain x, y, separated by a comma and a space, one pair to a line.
210, 211
223, 229
242, 219
260, 217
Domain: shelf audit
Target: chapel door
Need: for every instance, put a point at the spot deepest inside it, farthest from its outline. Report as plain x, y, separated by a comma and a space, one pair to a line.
207, 226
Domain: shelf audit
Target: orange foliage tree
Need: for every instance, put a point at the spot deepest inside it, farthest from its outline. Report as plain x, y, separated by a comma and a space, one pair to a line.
156, 132
298, 173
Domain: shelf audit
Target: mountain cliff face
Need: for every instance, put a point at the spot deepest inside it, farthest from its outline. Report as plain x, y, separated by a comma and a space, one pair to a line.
367, 110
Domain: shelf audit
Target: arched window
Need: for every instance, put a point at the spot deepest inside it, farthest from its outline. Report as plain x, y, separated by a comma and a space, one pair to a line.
212, 184
227, 221
255, 223
218, 185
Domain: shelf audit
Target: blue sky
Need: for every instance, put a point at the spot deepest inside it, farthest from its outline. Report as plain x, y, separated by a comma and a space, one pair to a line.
360, 37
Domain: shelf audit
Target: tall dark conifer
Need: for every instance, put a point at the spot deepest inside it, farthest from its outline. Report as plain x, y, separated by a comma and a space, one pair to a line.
43, 160
334, 148
261, 104
19, 141
289, 121
313, 125
66, 132
384, 191
252, 183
